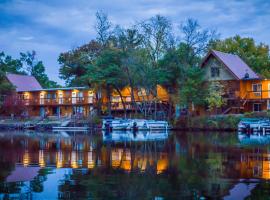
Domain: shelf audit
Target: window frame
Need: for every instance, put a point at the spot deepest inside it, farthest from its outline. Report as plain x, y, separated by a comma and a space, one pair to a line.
215, 72
258, 90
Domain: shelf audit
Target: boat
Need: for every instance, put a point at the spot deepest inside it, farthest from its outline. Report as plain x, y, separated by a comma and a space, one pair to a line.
133, 124
254, 126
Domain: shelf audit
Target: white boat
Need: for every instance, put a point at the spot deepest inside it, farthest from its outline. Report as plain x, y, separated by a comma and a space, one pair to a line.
133, 124
254, 126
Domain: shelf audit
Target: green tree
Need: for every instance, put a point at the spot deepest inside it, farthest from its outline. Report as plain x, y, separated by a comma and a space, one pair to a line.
8, 65
215, 94
192, 90
73, 64
107, 73
255, 55
36, 68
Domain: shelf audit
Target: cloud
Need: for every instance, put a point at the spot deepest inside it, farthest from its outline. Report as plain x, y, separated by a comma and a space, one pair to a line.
51, 27
26, 38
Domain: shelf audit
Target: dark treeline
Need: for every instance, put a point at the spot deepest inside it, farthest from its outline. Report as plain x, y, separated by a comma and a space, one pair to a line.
142, 56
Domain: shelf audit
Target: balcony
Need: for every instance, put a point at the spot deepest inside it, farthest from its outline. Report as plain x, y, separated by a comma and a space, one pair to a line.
59, 101
258, 95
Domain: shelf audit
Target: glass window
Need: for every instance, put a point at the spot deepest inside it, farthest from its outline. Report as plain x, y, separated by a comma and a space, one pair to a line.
214, 72
257, 88
256, 107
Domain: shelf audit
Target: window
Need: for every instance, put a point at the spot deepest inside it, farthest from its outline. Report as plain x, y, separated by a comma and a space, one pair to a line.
214, 72
257, 107
116, 99
257, 89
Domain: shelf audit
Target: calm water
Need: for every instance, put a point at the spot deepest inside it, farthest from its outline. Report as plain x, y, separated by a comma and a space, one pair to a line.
133, 166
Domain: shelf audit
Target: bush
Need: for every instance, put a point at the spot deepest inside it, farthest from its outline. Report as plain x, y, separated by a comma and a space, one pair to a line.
209, 122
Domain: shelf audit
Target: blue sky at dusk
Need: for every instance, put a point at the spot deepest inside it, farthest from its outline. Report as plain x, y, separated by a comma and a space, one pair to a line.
52, 27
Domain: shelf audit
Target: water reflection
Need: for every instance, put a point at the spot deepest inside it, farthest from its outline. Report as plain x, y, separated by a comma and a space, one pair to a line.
125, 136
127, 166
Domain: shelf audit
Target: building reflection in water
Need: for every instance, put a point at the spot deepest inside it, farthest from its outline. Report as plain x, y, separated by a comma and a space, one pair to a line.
191, 159
138, 152
83, 152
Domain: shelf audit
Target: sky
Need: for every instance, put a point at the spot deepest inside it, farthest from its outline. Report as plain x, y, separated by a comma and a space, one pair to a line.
53, 26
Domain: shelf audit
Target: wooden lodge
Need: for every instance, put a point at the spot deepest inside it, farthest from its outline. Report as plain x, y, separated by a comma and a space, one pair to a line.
245, 91
69, 101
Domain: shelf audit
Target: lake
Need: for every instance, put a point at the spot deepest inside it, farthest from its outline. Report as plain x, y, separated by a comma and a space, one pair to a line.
143, 165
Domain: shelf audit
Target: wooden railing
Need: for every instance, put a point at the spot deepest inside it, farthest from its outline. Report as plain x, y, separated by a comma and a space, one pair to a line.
60, 101
258, 95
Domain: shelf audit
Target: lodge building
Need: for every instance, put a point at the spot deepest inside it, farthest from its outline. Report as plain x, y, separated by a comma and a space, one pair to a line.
68, 101
245, 91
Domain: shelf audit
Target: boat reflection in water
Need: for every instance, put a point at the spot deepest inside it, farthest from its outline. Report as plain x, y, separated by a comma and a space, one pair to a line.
253, 139
139, 136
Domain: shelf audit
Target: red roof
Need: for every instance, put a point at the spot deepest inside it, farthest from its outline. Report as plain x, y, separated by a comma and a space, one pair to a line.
234, 63
23, 82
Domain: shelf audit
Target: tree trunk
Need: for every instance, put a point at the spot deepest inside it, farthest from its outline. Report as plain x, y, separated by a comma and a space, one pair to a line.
122, 100
134, 105
108, 91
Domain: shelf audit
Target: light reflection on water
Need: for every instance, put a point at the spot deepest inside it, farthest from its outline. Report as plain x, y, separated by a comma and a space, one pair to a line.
127, 165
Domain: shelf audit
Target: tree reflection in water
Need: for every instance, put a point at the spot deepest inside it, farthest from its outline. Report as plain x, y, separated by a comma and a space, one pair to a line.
142, 166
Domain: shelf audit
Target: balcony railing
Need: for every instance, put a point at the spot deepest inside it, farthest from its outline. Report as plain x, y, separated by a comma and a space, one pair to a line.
60, 101
258, 95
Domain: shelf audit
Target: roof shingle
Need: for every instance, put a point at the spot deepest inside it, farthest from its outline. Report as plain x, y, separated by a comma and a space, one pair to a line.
235, 64
23, 82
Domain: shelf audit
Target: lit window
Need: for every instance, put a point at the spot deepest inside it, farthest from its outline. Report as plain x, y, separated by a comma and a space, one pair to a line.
257, 89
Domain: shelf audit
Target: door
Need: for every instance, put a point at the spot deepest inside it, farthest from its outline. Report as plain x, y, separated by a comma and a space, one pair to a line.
41, 98
74, 97
60, 98
90, 97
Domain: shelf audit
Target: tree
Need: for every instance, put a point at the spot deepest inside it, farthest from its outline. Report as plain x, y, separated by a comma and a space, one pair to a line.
156, 36
73, 64
8, 65
103, 28
107, 73
256, 56
13, 105
215, 94
192, 87
36, 68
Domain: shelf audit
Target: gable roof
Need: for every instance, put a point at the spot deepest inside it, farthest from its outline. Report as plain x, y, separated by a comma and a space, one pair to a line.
23, 82
234, 64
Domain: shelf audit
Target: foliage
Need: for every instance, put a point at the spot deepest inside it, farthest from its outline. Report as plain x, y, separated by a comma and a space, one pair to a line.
192, 87
215, 94
13, 105
255, 55
73, 64
36, 68
223, 122
8, 65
